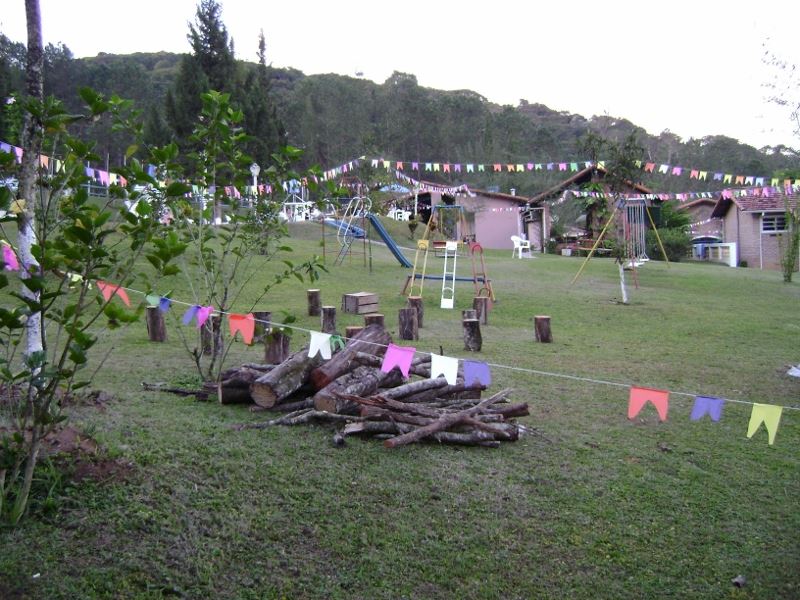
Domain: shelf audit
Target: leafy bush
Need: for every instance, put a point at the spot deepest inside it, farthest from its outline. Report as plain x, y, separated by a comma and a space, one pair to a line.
677, 244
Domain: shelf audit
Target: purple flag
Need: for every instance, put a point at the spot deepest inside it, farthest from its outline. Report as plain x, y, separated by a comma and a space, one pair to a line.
710, 405
477, 371
190, 314
164, 304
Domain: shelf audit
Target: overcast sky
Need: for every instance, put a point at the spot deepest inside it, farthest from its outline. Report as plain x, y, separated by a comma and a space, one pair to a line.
694, 68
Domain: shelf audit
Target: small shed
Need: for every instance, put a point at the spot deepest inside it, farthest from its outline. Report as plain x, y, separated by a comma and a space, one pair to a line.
755, 220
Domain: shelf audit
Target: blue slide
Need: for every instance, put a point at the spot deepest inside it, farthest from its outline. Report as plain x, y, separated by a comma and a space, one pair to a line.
357, 232
390, 243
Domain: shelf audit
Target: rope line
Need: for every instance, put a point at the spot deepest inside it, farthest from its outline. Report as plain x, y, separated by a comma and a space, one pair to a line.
494, 365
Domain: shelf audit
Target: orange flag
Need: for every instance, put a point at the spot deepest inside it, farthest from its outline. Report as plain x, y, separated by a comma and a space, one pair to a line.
245, 324
108, 290
641, 395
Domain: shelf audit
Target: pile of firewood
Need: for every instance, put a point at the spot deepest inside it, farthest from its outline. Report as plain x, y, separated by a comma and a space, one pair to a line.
351, 389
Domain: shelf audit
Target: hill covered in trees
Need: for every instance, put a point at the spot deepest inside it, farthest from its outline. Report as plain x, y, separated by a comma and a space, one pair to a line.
336, 118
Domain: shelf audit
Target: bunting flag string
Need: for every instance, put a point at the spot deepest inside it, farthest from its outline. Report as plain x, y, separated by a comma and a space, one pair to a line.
474, 371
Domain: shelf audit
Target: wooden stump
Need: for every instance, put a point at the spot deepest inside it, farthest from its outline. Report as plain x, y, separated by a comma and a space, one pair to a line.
352, 330
374, 319
481, 306
156, 329
262, 328
277, 349
408, 329
328, 319
469, 313
541, 324
372, 340
472, 335
416, 302
314, 303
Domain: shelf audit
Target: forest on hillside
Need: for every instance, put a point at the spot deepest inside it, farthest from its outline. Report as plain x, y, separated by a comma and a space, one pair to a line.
335, 119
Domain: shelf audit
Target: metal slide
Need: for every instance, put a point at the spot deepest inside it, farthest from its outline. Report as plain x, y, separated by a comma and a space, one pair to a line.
387, 239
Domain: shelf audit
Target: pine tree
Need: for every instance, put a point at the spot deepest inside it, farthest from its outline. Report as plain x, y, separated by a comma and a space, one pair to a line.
261, 119
212, 48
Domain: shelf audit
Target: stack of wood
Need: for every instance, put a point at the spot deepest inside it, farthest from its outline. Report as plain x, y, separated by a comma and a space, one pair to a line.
351, 389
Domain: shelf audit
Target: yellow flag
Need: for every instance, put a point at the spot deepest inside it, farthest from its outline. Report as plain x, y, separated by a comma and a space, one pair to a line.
17, 206
768, 414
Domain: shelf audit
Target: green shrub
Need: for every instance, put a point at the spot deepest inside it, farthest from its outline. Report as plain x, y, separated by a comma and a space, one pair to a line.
677, 244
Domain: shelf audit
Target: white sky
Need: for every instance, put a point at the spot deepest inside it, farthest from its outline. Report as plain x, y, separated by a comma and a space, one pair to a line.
691, 67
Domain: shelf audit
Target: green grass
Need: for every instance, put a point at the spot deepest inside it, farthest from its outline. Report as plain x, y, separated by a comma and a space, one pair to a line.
596, 507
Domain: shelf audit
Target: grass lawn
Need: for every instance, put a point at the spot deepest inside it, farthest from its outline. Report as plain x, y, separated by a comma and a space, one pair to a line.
594, 506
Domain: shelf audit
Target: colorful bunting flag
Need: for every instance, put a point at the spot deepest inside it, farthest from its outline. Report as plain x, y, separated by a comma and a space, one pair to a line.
768, 414
163, 304
477, 372
108, 290
203, 313
152, 300
320, 343
190, 314
707, 405
639, 396
444, 365
10, 258
245, 324
398, 356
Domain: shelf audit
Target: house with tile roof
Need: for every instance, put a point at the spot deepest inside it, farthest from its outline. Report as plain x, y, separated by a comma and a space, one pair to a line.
755, 220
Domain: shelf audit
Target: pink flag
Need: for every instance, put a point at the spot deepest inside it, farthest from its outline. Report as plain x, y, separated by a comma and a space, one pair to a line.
640, 396
400, 357
202, 315
10, 258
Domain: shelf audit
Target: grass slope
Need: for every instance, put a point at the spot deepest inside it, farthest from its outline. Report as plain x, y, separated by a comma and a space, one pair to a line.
596, 507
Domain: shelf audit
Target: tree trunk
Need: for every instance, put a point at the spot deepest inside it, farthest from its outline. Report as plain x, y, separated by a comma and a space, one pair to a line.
32, 134
210, 336
285, 379
416, 303
541, 324
408, 328
314, 303
328, 319
156, 328
277, 349
473, 341
372, 340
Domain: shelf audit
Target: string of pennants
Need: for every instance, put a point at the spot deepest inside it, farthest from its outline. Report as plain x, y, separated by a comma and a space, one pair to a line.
758, 185
570, 166
401, 357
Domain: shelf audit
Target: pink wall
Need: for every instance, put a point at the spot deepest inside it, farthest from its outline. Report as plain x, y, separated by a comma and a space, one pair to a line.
495, 221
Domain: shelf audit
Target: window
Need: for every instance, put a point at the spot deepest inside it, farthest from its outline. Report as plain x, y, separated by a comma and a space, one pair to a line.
773, 223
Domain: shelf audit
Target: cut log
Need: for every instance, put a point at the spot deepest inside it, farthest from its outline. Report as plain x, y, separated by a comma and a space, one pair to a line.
481, 306
352, 330
277, 349
415, 302
363, 381
314, 302
156, 329
374, 319
285, 379
328, 319
210, 335
542, 326
372, 340
469, 313
232, 395
473, 341
407, 324
241, 377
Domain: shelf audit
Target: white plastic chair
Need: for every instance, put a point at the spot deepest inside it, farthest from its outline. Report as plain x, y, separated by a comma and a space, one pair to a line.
520, 245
